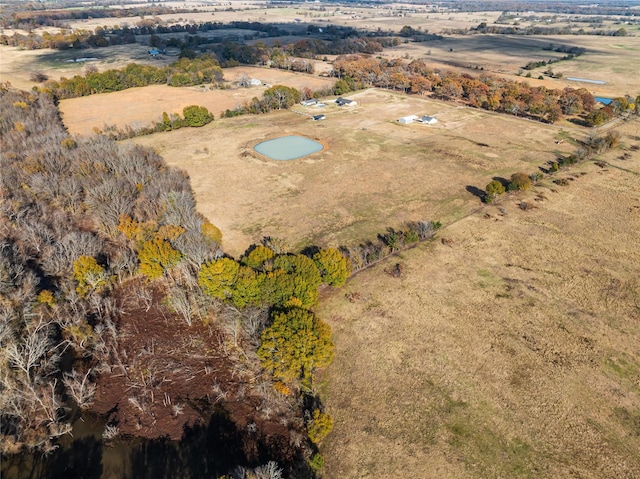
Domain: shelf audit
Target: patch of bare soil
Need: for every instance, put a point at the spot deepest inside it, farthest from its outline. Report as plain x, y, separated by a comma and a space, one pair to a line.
167, 378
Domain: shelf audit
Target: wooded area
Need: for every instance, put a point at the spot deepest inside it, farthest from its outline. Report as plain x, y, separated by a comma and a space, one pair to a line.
91, 231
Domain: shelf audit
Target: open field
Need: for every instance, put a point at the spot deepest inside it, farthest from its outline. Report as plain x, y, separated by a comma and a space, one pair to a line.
17, 65
606, 58
511, 351
140, 107
374, 172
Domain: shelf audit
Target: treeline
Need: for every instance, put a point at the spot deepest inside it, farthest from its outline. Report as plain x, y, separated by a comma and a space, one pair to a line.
86, 224
183, 72
192, 116
70, 39
484, 91
571, 53
63, 256
389, 243
593, 146
36, 15
558, 6
484, 28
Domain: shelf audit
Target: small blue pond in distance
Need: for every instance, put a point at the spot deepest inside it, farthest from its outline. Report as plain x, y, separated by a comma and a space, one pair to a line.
288, 147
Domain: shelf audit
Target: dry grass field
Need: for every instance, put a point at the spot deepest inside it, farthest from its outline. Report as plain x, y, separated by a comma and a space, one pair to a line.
606, 58
373, 173
511, 351
508, 347
17, 65
140, 107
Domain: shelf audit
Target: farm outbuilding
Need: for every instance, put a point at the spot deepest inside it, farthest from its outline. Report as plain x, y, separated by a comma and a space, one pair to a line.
345, 102
429, 120
309, 102
406, 120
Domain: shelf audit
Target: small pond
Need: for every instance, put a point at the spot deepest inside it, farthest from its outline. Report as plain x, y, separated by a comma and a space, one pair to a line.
587, 80
288, 147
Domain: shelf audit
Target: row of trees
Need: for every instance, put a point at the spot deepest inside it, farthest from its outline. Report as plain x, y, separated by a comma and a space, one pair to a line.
594, 145
543, 30
484, 91
183, 72
33, 15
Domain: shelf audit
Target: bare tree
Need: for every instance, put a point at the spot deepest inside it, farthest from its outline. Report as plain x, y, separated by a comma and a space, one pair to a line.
80, 387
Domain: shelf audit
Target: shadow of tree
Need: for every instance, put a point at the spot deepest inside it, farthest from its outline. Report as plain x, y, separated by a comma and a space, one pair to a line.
502, 180
204, 451
579, 121
81, 460
475, 191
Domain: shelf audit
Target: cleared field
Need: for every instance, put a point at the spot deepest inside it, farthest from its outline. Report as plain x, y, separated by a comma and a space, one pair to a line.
374, 172
606, 58
141, 107
17, 65
512, 351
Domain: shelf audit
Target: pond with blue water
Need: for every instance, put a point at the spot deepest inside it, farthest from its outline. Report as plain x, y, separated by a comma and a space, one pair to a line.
288, 147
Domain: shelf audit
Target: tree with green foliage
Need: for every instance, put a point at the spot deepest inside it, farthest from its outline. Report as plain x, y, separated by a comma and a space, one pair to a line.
256, 257
343, 86
248, 287
89, 275
295, 344
282, 289
300, 265
301, 280
494, 189
319, 426
156, 256
280, 97
333, 266
520, 181
195, 115
217, 278
211, 232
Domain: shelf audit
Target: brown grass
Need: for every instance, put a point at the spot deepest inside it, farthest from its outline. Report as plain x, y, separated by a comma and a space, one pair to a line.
510, 351
140, 107
606, 58
374, 172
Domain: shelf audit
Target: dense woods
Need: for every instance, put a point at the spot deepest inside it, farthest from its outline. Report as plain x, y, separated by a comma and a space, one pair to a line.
98, 239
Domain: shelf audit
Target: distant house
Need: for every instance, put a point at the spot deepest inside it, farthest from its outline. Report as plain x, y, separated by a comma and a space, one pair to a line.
309, 102
429, 120
345, 102
405, 120
318, 117
247, 82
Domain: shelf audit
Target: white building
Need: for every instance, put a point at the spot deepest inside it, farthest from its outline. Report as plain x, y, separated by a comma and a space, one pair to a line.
429, 120
406, 120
